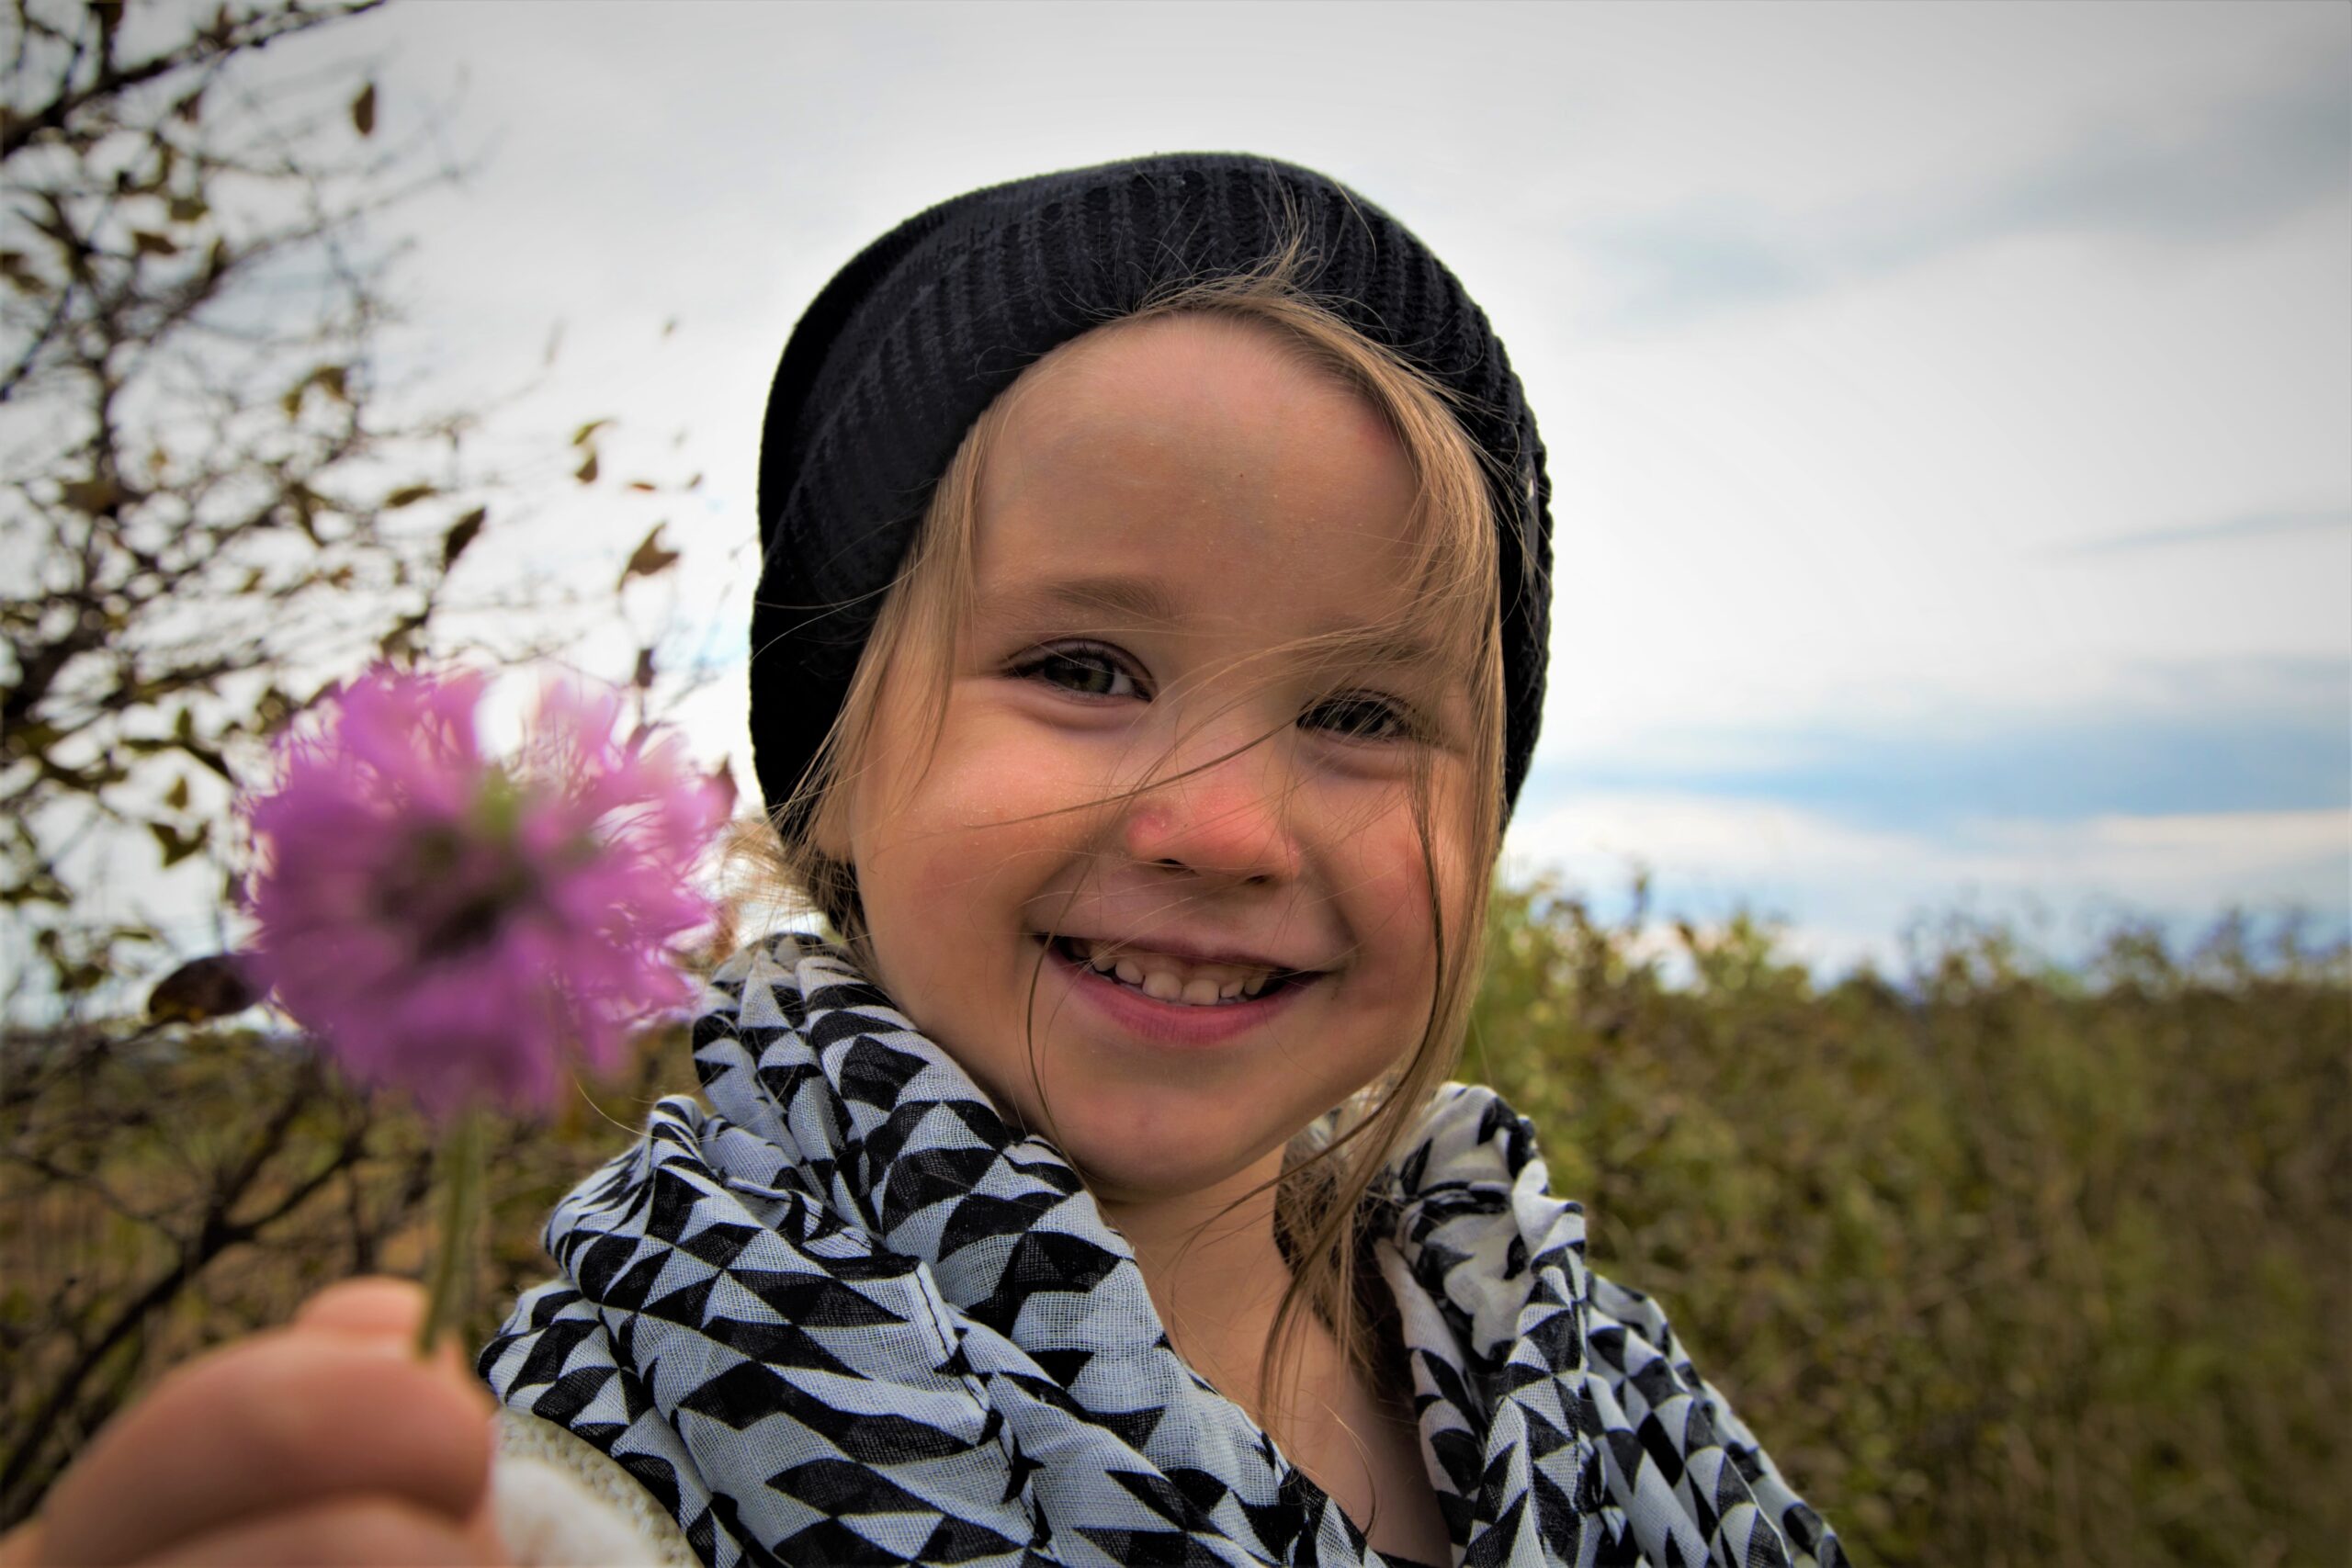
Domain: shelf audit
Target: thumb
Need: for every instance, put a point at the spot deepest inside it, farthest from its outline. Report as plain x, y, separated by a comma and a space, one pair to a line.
377, 1306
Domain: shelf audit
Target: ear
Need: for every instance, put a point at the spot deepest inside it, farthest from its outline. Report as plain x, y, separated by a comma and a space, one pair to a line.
829, 827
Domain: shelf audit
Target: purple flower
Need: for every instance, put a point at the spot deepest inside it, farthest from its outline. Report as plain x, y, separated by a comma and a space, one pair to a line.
456, 925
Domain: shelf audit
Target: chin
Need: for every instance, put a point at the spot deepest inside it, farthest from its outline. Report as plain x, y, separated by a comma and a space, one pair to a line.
1166, 1160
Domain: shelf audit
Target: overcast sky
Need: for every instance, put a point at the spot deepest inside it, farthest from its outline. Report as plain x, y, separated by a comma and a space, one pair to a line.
1950, 405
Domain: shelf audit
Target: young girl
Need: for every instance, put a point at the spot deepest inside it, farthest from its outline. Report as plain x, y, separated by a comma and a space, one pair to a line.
1150, 645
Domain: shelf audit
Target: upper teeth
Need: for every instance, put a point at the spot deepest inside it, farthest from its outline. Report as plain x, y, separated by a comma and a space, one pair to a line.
1174, 979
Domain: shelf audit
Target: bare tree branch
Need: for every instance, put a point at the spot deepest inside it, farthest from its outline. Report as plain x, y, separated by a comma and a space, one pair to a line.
229, 36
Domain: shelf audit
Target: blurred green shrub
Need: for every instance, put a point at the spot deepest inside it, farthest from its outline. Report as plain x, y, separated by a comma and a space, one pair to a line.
164, 1192
2008, 1265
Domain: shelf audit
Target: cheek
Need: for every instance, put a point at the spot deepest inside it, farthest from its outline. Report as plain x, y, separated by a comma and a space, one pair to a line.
930, 904
946, 870
1388, 870
1392, 919
1407, 921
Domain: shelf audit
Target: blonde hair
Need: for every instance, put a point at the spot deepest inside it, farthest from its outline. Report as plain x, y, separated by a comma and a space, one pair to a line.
1327, 1173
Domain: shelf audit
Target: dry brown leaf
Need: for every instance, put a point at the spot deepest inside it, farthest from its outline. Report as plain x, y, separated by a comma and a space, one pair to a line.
650, 559
202, 989
461, 534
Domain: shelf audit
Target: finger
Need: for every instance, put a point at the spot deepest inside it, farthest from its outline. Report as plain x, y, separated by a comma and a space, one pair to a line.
482, 1538
21, 1548
378, 1532
377, 1306
374, 1304
275, 1421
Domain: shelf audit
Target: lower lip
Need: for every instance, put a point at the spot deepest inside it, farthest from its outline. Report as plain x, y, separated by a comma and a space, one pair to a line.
1174, 1023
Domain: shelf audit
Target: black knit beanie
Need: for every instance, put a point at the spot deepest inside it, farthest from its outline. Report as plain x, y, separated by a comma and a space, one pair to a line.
913, 340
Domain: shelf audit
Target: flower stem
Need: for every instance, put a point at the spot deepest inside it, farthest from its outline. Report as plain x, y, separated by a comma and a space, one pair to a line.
460, 1182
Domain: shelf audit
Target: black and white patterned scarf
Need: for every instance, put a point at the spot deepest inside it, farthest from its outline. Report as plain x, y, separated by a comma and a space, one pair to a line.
854, 1317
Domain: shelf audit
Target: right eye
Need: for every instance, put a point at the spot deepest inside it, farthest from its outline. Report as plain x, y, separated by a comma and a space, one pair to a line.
1084, 669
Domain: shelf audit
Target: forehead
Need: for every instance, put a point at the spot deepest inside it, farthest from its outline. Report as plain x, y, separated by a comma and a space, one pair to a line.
1203, 459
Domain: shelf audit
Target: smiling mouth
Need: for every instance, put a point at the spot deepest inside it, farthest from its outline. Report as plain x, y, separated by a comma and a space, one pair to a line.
1169, 980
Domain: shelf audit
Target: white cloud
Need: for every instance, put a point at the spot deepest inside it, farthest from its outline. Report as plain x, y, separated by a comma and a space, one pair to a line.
2168, 860
1848, 892
1848, 504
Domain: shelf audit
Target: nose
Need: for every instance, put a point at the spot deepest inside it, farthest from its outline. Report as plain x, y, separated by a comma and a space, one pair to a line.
1225, 809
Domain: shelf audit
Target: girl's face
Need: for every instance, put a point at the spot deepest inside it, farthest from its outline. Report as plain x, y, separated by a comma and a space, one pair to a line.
1138, 768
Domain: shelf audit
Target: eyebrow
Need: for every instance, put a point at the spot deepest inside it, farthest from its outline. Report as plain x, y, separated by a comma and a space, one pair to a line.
1127, 599
1048, 603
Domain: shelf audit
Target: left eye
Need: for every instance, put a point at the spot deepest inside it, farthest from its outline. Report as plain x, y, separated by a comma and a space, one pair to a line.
1361, 716
1089, 671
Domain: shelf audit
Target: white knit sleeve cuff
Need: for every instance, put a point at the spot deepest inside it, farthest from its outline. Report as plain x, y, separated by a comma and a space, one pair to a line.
562, 1504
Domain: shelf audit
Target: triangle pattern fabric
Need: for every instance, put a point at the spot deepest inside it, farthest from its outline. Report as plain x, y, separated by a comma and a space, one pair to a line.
848, 1314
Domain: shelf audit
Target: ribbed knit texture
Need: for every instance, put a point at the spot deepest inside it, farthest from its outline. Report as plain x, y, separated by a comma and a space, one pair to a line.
913, 340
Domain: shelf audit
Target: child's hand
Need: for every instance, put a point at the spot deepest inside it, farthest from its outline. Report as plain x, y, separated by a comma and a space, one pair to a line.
323, 1442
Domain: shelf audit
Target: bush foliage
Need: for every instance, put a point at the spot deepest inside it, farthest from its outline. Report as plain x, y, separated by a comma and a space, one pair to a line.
2007, 1265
